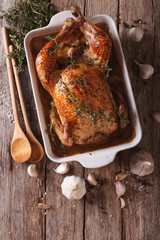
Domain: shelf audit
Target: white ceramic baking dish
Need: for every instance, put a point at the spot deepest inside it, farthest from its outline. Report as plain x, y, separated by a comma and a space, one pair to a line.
100, 157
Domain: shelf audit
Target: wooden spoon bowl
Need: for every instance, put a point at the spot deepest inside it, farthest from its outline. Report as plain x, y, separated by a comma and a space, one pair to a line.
20, 146
37, 150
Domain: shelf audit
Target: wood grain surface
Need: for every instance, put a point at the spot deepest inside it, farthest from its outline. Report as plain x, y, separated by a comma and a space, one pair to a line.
98, 215
141, 218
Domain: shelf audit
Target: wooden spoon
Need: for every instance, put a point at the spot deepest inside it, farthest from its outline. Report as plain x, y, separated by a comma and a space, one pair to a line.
37, 150
20, 146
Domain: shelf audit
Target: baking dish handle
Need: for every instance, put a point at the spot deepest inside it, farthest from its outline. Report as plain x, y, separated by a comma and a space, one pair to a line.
98, 161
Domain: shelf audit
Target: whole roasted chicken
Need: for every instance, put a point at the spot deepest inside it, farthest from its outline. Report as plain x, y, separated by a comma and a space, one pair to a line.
83, 107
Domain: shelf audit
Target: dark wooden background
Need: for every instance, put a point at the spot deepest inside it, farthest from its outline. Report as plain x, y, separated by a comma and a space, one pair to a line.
97, 216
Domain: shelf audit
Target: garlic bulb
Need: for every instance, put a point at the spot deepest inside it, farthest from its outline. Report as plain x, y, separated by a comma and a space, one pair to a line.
145, 70
136, 34
91, 179
120, 188
32, 170
156, 116
141, 163
62, 168
73, 187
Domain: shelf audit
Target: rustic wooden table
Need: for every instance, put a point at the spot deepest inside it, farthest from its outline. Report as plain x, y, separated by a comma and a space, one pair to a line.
98, 215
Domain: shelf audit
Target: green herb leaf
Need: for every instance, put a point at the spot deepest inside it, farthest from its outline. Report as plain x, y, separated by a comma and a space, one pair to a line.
93, 116
50, 127
49, 38
51, 133
53, 50
70, 62
90, 62
87, 139
106, 73
62, 146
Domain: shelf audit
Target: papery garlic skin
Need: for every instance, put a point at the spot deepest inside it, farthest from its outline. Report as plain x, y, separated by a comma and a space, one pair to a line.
73, 187
91, 179
136, 34
62, 168
31, 170
141, 163
145, 70
120, 188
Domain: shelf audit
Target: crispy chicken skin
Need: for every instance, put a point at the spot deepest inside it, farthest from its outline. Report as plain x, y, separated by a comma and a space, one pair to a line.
83, 106
99, 42
85, 100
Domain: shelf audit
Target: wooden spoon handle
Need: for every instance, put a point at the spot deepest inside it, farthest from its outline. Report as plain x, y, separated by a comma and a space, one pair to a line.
10, 76
17, 80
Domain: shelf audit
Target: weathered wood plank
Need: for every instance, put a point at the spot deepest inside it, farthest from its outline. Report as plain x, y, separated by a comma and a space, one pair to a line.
101, 7
67, 220
63, 5
141, 216
102, 209
20, 216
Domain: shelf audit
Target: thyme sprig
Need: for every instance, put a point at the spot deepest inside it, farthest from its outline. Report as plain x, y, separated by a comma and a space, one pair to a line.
91, 62
51, 132
53, 50
106, 72
70, 61
49, 38
22, 18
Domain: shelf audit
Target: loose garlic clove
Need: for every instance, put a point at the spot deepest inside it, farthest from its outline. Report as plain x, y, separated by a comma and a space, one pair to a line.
43, 206
123, 204
32, 170
121, 176
141, 163
73, 187
156, 116
91, 179
120, 188
136, 34
145, 70
62, 168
